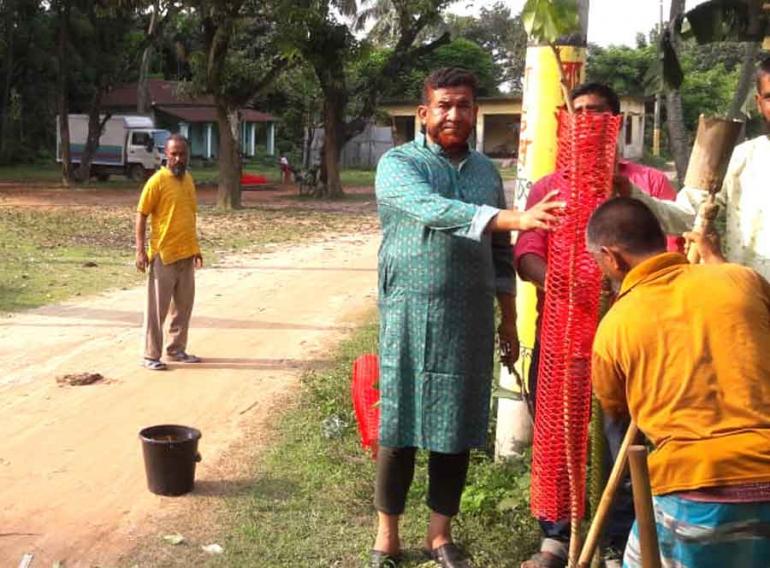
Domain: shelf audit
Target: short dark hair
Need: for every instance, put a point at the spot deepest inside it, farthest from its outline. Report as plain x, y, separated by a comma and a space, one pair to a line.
449, 77
176, 137
763, 69
600, 90
627, 224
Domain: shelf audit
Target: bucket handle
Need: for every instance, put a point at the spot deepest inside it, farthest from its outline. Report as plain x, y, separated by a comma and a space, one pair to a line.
198, 457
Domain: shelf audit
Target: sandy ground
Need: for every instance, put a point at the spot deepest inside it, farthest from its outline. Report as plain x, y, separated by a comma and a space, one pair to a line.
72, 483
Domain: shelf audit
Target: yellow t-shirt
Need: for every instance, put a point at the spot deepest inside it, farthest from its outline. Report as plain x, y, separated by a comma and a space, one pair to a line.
686, 349
170, 203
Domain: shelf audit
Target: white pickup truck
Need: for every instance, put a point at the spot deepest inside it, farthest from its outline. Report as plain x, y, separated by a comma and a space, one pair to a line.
129, 145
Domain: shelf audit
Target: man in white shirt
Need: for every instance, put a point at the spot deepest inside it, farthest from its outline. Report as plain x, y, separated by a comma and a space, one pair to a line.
744, 201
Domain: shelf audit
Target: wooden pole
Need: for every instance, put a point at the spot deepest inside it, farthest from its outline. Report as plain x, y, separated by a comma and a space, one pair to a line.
645, 515
711, 151
714, 143
603, 509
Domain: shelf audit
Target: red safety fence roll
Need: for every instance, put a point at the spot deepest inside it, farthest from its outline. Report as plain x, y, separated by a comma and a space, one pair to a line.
585, 165
366, 395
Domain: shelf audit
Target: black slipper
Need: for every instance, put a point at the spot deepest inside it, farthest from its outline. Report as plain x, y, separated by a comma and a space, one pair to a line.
449, 555
379, 559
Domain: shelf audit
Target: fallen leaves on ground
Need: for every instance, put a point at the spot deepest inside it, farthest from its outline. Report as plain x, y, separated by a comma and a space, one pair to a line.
79, 379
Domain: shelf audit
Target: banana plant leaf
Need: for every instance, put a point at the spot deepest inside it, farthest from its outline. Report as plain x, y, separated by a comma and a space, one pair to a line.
716, 20
724, 20
666, 72
545, 21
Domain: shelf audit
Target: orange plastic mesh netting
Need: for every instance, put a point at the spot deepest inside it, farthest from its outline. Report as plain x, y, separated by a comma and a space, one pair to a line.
585, 165
365, 395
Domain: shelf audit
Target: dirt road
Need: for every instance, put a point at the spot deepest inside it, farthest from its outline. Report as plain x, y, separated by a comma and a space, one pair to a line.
17, 194
72, 483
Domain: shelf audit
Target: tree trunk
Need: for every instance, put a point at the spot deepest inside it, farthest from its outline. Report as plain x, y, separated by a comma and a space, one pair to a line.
677, 133
330, 184
309, 136
143, 84
5, 126
678, 138
745, 81
229, 158
63, 94
95, 126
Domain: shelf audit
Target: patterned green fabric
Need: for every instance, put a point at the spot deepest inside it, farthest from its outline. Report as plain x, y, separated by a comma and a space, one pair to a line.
438, 274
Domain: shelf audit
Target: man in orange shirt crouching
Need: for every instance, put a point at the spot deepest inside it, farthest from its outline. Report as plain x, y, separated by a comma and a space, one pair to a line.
685, 350
168, 199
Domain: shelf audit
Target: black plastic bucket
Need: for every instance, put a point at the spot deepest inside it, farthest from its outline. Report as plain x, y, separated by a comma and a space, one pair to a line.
170, 455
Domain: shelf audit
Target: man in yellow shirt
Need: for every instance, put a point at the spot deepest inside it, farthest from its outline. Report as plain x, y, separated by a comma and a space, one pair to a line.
168, 199
685, 350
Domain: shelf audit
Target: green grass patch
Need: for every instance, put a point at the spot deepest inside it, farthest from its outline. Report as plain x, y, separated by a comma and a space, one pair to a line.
311, 500
357, 178
47, 171
50, 255
250, 229
50, 172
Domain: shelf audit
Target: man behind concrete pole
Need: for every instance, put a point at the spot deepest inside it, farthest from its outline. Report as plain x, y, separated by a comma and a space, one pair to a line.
684, 353
445, 256
168, 199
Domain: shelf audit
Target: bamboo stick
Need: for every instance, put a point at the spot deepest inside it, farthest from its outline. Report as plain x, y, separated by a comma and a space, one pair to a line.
603, 509
645, 515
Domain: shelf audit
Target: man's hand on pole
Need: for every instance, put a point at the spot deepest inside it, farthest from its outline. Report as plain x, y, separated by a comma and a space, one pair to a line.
539, 216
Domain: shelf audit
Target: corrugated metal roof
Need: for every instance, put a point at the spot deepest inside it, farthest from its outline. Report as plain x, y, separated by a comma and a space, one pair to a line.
209, 114
165, 96
162, 92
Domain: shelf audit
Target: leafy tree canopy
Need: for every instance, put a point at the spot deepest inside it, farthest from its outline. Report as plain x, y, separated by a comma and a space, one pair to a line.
459, 53
710, 78
502, 36
622, 68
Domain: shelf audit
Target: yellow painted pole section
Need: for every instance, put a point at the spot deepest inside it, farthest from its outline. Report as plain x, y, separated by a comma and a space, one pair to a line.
537, 155
542, 96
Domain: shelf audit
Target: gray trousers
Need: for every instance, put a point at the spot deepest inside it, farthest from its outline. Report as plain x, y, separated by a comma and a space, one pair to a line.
170, 292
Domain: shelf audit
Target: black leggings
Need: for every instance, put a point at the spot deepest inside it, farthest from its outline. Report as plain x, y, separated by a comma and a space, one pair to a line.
395, 470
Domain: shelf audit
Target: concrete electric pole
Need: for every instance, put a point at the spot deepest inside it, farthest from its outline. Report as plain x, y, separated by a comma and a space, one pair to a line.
541, 97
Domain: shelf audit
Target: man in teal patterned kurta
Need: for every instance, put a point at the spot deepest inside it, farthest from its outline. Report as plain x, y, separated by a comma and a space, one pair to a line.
445, 255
